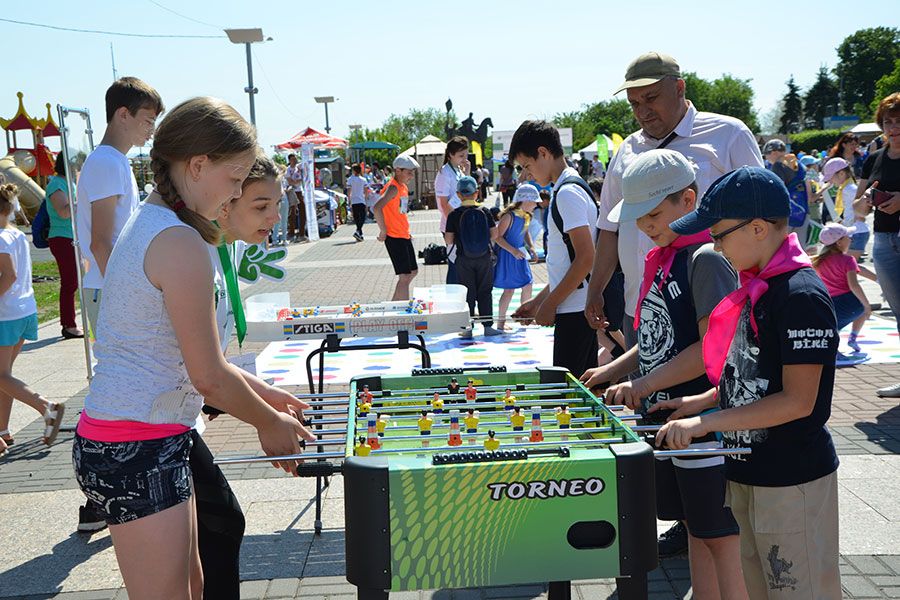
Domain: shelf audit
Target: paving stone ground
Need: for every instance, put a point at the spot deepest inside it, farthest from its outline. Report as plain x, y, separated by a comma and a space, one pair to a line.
281, 556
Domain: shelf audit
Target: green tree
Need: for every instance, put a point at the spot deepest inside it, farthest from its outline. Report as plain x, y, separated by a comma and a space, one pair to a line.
607, 117
864, 58
726, 95
821, 99
405, 130
886, 86
792, 118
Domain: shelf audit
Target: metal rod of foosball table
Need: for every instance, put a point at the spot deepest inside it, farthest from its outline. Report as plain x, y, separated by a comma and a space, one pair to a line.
482, 424
527, 403
323, 395
403, 400
238, 460
480, 435
398, 394
462, 407
694, 452
528, 444
329, 402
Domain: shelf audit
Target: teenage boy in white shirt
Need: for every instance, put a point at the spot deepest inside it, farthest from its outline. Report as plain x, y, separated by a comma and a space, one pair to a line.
572, 232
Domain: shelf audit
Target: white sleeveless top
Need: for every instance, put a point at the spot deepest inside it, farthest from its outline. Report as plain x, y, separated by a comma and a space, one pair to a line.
140, 373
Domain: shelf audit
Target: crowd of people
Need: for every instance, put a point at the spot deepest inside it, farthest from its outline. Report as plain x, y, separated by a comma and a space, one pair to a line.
687, 256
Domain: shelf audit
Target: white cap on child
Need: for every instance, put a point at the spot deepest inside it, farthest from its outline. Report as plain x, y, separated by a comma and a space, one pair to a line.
832, 232
527, 193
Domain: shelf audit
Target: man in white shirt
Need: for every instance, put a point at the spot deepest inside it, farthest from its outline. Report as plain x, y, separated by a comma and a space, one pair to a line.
570, 243
357, 187
597, 168
297, 212
715, 144
107, 190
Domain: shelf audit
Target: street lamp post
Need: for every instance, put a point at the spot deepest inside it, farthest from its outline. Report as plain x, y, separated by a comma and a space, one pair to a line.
247, 37
354, 129
326, 100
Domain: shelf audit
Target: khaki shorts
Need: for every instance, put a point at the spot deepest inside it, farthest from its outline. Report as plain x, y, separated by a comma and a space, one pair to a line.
789, 539
92, 308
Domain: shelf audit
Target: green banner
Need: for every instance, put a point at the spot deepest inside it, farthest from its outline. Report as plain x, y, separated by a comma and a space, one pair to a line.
602, 149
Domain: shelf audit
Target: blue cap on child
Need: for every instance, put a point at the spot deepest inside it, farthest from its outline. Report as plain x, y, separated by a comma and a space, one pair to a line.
466, 186
745, 193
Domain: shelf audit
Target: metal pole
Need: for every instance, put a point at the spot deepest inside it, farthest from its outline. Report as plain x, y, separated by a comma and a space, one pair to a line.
73, 212
327, 126
250, 89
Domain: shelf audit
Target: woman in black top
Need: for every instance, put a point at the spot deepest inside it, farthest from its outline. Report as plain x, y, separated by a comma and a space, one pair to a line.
847, 147
881, 172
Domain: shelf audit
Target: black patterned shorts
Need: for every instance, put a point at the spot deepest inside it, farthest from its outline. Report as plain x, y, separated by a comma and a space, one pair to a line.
130, 480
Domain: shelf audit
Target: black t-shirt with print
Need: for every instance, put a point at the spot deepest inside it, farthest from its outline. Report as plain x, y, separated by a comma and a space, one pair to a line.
698, 280
886, 172
796, 323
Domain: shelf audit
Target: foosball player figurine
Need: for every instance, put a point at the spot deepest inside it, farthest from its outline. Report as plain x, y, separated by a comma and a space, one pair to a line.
453, 386
424, 422
563, 419
362, 448
381, 424
517, 419
537, 434
509, 401
365, 395
437, 404
364, 408
455, 439
371, 433
471, 392
491, 443
471, 421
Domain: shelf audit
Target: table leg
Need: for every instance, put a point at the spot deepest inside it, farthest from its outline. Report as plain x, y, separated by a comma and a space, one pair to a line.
559, 590
632, 588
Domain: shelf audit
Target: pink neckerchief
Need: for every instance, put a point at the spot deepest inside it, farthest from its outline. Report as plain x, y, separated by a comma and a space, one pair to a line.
724, 319
662, 257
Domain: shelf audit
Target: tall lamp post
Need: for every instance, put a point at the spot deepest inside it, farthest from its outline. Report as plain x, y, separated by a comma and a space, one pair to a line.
247, 37
326, 100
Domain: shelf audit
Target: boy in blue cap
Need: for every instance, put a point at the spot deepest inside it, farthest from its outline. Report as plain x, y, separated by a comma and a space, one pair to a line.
471, 228
770, 349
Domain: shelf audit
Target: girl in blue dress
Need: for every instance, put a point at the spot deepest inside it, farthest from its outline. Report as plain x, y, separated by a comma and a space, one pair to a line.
512, 271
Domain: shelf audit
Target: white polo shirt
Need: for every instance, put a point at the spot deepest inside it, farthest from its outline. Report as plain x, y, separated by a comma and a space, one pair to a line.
715, 144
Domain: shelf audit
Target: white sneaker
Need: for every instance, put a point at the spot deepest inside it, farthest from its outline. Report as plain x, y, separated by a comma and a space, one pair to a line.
490, 331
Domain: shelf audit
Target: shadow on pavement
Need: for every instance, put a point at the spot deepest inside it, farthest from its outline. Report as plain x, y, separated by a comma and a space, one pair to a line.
44, 574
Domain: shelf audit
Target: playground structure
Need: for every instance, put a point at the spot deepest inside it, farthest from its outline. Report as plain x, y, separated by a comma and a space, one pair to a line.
26, 167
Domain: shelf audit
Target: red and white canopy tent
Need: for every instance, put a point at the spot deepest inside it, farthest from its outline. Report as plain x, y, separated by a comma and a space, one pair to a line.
315, 137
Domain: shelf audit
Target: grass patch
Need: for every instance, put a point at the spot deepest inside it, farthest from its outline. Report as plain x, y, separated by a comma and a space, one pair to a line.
46, 292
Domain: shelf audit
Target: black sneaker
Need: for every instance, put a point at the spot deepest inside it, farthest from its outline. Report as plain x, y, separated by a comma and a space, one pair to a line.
90, 518
673, 542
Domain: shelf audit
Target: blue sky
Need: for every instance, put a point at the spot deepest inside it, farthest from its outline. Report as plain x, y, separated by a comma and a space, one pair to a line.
509, 61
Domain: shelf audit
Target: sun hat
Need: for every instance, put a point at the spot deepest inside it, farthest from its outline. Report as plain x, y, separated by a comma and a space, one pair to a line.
466, 186
527, 193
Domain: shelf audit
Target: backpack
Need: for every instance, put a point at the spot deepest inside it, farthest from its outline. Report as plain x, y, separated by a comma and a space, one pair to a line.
558, 220
433, 254
474, 233
40, 227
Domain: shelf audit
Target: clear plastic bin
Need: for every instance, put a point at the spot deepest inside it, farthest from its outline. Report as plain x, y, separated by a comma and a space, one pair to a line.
265, 307
444, 298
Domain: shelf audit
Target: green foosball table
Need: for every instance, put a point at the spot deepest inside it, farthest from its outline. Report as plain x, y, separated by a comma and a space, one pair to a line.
552, 503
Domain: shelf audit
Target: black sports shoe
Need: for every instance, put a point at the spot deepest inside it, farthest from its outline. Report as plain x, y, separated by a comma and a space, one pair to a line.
673, 542
90, 518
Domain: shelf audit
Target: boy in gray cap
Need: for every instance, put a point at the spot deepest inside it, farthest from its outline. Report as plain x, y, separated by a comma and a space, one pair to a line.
684, 279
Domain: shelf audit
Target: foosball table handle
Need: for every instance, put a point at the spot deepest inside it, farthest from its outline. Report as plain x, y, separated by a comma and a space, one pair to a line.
319, 469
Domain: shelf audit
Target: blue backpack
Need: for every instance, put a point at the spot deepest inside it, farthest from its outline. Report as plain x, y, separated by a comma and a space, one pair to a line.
40, 227
474, 233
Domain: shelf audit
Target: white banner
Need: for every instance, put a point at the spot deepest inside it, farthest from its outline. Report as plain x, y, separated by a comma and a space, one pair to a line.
308, 168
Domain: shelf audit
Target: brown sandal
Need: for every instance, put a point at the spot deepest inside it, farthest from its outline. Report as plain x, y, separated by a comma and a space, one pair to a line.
52, 421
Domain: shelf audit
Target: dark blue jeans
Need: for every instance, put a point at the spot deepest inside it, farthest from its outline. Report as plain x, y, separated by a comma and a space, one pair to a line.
886, 257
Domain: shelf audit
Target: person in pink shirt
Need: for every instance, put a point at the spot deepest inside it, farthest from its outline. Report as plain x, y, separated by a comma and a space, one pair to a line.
838, 271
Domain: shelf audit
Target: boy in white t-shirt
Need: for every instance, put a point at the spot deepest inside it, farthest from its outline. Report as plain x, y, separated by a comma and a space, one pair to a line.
572, 232
107, 189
